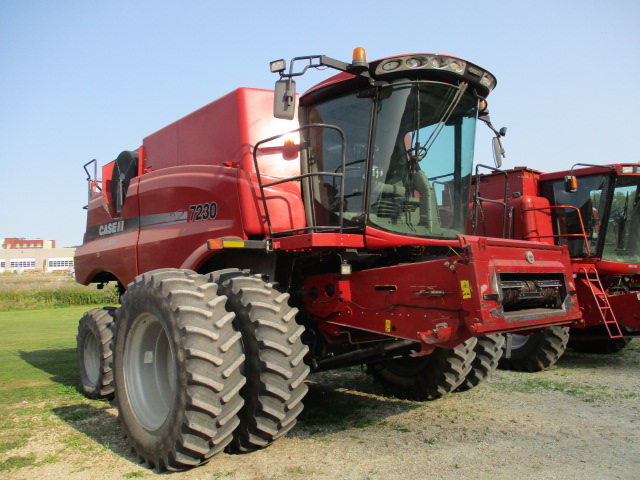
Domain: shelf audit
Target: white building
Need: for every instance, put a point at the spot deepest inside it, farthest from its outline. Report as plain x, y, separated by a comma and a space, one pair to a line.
36, 259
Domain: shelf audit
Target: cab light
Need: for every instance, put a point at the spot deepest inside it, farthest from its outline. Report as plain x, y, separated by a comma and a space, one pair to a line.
414, 62
359, 62
278, 66
359, 55
455, 66
488, 81
392, 65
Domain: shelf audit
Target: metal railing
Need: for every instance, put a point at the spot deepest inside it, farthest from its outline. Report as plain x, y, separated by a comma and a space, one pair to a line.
477, 201
582, 235
307, 196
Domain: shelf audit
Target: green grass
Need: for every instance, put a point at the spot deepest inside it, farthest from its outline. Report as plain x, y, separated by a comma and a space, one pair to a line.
37, 354
590, 393
17, 462
39, 382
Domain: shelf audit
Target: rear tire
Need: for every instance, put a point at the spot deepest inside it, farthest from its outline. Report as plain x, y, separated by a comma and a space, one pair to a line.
488, 350
538, 351
177, 362
274, 365
94, 355
603, 345
428, 377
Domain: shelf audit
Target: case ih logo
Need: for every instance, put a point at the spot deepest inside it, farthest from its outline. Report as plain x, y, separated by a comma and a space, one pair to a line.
111, 228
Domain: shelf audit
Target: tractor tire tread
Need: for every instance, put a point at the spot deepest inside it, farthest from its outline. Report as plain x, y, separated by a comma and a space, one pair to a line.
541, 351
99, 322
488, 353
274, 368
204, 415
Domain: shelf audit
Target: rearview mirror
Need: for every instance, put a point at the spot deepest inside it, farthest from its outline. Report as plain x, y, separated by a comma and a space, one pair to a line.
571, 184
498, 152
284, 99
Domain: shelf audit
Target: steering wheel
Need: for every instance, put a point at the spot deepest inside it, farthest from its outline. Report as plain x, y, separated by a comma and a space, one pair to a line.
417, 153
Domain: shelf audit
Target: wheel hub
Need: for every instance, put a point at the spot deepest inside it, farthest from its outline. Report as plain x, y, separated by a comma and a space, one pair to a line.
149, 367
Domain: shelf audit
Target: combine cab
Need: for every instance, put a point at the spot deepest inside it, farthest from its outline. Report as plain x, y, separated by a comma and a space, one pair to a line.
248, 257
595, 212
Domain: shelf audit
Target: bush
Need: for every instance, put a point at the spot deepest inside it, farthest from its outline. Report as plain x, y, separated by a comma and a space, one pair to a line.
62, 296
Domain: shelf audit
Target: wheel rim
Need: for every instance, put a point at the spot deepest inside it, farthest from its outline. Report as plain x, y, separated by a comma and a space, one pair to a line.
149, 366
518, 341
91, 357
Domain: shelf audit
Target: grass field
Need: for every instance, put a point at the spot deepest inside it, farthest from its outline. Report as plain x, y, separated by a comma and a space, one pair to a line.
39, 382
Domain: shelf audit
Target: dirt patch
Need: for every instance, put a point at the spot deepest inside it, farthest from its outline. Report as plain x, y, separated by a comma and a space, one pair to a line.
579, 420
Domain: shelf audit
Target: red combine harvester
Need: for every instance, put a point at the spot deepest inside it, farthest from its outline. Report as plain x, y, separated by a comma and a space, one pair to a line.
252, 257
595, 212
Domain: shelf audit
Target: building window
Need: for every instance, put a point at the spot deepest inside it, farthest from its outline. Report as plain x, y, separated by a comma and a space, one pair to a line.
60, 263
22, 264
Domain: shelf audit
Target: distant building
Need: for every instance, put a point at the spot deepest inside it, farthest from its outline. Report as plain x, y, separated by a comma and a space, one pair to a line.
24, 243
21, 255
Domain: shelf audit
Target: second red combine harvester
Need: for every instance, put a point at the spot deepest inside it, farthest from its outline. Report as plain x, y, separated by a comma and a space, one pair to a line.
595, 212
247, 259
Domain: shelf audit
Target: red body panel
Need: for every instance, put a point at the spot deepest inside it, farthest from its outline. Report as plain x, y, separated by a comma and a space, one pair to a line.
444, 301
169, 229
202, 160
626, 308
116, 252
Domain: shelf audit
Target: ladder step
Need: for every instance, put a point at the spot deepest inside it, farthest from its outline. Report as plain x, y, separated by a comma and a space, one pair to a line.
602, 302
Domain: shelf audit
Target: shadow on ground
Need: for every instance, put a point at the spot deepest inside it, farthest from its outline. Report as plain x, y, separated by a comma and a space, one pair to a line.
627, 358
336, 401
96, 419
345, 399
60, 363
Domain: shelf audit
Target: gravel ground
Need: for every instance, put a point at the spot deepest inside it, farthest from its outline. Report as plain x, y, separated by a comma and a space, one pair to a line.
578, 420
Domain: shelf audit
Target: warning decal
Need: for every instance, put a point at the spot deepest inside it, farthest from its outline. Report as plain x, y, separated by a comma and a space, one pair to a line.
466, 288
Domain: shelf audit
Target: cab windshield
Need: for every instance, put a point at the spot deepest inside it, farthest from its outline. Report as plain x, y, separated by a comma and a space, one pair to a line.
609, 207
622, 237
408, 158
422, 158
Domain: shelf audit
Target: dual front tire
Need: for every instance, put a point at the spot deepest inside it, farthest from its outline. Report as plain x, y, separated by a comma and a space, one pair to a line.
177, 369
427, 377
94, 355
200, 364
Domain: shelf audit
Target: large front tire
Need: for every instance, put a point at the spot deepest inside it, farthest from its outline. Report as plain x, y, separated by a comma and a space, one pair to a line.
94, 355
274, 365
177, 366
488, 350
538, 351
428, 377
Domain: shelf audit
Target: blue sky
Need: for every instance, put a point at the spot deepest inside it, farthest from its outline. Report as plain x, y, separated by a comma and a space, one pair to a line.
82, 80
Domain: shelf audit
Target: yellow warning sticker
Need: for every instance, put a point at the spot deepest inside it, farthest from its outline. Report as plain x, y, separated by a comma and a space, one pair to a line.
387, 326
466, 288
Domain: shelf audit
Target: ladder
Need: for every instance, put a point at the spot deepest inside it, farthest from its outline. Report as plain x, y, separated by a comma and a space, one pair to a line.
606, 313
